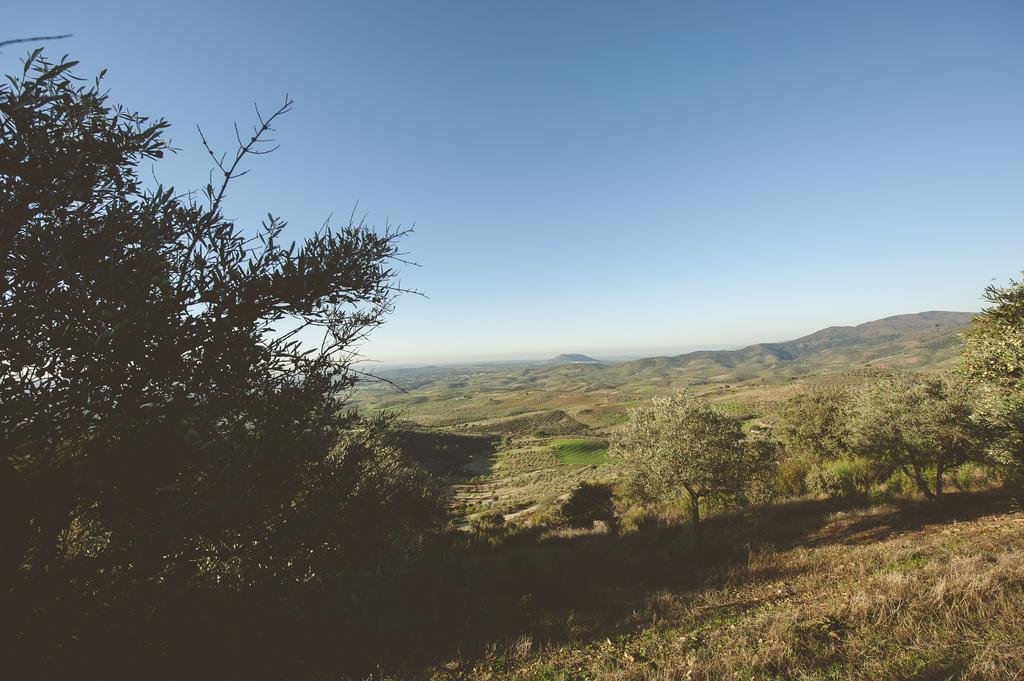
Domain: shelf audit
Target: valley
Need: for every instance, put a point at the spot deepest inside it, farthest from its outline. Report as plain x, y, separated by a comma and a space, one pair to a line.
525, 412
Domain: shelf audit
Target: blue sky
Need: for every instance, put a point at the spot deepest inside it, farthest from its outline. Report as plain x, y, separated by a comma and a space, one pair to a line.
606, 178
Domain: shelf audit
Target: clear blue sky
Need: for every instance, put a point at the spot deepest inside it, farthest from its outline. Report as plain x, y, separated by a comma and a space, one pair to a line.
607, 178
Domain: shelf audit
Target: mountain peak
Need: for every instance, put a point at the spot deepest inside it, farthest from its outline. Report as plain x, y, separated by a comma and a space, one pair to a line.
572, 358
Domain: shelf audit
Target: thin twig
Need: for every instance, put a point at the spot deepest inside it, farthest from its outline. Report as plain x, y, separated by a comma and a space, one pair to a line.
15, 41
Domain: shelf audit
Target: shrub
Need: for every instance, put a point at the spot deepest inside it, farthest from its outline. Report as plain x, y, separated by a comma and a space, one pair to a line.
587, 503
973, 476
899, 484
792, 474
166, 425
764, 484
844, 477
816, 424
639, 518
488, 522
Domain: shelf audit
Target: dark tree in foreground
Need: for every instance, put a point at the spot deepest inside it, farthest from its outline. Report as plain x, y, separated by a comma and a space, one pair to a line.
171, 385
588, 502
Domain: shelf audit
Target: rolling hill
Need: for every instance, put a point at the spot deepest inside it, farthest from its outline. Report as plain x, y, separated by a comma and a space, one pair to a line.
916, 341
747, 381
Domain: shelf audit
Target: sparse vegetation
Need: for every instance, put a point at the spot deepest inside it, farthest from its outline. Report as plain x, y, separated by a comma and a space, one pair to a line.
862, 593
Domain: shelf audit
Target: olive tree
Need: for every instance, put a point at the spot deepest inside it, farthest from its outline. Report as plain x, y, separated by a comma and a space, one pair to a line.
993, 361
172, 382
679, 445
919, 423
815, 424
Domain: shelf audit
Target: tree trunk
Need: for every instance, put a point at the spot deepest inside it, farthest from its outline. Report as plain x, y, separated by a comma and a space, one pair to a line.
938, 479
922, 484
15, 517
698, 529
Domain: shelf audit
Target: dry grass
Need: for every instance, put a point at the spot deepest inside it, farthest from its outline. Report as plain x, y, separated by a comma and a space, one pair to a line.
881, 593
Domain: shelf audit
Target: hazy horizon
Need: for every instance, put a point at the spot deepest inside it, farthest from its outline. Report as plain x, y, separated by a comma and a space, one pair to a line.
607, 178
608, 354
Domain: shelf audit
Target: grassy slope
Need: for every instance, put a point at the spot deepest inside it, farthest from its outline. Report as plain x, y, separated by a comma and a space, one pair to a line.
929, 591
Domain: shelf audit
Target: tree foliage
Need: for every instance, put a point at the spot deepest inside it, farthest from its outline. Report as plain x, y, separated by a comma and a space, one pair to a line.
919, 423
815, 424
680, 444
172, 384
993, 360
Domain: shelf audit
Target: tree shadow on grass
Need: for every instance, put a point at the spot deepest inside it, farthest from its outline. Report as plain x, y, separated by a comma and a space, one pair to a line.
588, 587
914, 516
462, 595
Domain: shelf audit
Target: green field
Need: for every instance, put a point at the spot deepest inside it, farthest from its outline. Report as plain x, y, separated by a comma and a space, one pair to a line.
580, 452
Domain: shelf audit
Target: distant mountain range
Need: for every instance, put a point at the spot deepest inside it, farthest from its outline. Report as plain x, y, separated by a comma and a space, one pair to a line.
917, 341
913, 341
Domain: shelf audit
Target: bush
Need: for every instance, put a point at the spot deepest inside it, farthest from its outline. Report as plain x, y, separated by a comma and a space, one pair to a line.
488, 522
792, 474
640, 518
899, 484
973, 476
588, 502
844, 477
166, 426
816, 424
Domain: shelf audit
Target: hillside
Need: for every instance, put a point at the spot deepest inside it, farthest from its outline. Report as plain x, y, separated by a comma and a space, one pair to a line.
802, 590
908, 341
746, 381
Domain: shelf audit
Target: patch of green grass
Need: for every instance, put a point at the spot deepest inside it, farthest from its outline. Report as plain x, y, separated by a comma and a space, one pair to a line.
580, 452
748, 425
